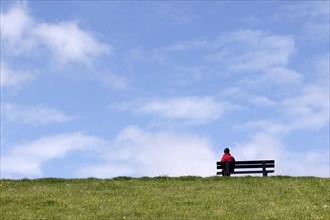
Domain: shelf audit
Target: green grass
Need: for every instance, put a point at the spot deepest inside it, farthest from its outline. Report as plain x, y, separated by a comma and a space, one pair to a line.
274, 197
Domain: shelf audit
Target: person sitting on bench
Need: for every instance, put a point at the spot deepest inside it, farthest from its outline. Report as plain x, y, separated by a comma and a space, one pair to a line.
227, 157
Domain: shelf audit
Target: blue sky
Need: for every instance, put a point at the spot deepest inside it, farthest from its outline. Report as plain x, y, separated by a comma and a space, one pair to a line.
110, 88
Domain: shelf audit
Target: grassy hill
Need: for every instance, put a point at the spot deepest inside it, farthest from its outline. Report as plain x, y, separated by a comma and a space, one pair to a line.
274, 197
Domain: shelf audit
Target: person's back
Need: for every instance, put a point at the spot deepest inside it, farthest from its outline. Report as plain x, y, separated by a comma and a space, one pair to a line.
227, 157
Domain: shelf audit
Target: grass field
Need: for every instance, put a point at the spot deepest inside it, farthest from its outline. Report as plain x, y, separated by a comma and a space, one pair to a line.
274, 197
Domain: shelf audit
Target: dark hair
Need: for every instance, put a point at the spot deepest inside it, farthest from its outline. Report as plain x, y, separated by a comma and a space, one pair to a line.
226, 150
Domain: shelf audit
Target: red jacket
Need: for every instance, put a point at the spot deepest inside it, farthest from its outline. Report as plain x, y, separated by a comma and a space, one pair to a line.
227, 157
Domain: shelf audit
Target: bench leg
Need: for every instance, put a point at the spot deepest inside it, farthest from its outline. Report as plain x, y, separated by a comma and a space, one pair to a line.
264, 172
225, 174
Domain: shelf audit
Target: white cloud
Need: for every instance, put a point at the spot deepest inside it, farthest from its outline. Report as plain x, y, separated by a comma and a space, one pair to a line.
141, 153
15, 29
306, 163
25, 38
33, 115
69, 43
66, 41
15, 22
260, 146
134, 152
12, 78
269, 146
189, 109
27, 159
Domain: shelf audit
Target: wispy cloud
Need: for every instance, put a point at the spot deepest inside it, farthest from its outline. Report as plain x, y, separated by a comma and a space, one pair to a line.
262, 101
238, 93
140, 54
269, 127
194, 110
27, 159
13, 78
267, 138
257, 56
191, 108
315, 15
312, 9
32, 115
189, 45
306, 109
114, 81
253, 50
310, 109
175, 12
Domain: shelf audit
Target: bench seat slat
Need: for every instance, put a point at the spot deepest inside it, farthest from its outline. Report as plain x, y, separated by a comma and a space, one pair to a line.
248, 172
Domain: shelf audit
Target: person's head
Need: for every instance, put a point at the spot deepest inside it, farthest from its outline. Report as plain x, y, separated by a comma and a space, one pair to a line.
226, 150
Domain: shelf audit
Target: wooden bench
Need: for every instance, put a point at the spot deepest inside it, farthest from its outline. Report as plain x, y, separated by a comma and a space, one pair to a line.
238, 167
